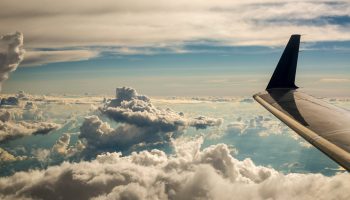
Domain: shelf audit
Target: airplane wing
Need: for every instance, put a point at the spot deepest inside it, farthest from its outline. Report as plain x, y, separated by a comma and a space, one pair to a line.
324, 125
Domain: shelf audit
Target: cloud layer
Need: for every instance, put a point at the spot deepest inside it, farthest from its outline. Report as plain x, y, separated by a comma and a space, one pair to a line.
191, 173
163, 23
35, 58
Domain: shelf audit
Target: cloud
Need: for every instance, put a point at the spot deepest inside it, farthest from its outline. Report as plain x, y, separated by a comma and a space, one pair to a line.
11, 130
263, 125
138, 110
140, 125
247, 100
11, 54
36, 58
8, 157
42, 155
305, 144
335, 80
129, 23
21, 119
203, 122
98, 136
236, 127
10, 101
62, 144
62, 147
211, 173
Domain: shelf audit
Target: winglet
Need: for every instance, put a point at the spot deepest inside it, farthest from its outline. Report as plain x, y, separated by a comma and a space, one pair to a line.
284, 74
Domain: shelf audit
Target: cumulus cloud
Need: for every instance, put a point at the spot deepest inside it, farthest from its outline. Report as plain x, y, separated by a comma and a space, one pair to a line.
98, 136
61, 146
264, 126
141, 125
42, 155
11, 130
11, 54
237, 127
135, 109
5, 156
211, 173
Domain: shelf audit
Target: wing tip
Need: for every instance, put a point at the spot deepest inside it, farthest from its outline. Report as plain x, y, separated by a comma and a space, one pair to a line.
284, 74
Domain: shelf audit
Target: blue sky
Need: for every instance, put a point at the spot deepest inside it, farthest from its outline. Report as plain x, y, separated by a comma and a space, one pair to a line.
201, 70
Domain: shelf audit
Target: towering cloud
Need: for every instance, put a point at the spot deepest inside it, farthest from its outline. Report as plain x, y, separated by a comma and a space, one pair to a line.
138, 110
11, 54
141, 125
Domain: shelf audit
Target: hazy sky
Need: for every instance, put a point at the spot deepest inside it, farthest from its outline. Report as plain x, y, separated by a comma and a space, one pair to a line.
182, 48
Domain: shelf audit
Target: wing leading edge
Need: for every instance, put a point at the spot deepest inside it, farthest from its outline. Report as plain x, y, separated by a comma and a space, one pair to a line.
324, 125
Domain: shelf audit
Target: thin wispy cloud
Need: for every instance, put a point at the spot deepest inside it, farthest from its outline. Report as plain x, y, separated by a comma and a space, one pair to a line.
36, 58
335, 80
153, 27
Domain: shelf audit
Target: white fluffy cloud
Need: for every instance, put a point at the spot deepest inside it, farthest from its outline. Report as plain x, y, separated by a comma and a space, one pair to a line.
141, 124
135, 109
189, 174
11, 54
98, 136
